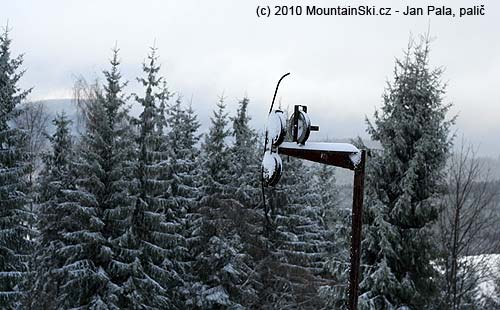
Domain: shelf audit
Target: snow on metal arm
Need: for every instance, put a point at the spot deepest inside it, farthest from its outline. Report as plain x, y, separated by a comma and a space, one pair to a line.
339, 154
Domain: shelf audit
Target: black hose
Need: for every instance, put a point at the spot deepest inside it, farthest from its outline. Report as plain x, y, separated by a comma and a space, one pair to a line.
276, 91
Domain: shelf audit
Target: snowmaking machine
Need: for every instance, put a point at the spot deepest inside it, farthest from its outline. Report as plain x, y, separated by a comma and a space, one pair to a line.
289, 137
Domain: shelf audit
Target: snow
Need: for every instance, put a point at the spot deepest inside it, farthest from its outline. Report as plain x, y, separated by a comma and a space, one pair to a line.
269, 165
355, 158
355, 153
322, 146
491, 262
275, 123
218, 295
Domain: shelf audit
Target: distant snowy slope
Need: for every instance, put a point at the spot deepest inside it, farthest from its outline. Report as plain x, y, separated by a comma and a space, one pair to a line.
492, 263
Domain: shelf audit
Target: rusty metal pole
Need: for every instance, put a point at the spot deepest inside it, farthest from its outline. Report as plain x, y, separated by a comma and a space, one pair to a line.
357, 222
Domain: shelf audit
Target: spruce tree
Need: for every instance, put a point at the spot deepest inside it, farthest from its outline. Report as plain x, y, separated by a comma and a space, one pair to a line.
244, 157
164, 96
246, 188
225, 270
187, 190
183, 190
227, 275
299, 242
101, 199
402, 183
183, 155
337, 217
118, 154
16, 234
216, 153
149, 237
54, 217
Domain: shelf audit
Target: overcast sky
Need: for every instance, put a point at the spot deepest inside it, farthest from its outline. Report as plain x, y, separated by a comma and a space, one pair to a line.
339, 65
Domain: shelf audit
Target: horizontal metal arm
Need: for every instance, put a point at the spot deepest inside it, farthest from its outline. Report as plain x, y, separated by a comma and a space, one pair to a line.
343, 155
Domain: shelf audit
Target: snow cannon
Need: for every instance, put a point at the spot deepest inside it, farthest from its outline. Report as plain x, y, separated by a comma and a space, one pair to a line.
342, 155
299, 130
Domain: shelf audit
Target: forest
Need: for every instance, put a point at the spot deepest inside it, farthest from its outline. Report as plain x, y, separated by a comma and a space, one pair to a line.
109, 210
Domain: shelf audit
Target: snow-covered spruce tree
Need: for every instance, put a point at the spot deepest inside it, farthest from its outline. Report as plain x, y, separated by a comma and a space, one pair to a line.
338, 220
216, 154
183, 193
118, 152
299, 243
325, 184
100, 201
402, 182
224, 268
149, 238
163, 98
226, 272
183, 139
245, 160
183, 154
54, 217
246, 188
15, 219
